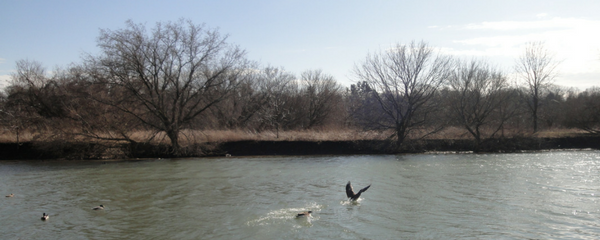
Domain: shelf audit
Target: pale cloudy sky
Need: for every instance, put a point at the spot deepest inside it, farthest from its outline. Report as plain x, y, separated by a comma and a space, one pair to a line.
320, 34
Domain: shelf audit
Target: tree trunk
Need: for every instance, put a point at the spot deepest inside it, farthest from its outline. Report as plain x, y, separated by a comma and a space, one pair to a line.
400, 131
477, 142
18, 141
534, 112
174, 137
535, 120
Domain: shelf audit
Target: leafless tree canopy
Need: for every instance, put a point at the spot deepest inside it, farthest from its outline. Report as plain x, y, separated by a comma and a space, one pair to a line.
537, 69
478, 94
279, 88
583, 111
404, 79
167, 77
34, 95
321, 91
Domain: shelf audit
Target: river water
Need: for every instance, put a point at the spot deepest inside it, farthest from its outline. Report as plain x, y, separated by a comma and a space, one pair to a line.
541, 195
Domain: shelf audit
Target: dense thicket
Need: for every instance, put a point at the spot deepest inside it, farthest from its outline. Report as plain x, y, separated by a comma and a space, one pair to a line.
179, 76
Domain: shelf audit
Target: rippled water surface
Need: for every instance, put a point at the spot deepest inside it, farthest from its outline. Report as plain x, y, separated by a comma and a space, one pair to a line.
544, 195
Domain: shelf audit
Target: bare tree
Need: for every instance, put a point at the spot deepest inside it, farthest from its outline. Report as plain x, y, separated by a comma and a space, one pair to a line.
12, 117
320, 91
34, 99
362, 105
537, 69
83, 116
30, 73
38, 90
405, 79
262, 101
58, 103
552, 105
167, 77
280, 88
240, 108
583, 111
477, 97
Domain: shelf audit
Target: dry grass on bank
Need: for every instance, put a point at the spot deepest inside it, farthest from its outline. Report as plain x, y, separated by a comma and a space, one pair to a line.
196, 136
203, 136
558, 133
7, 136
460, 133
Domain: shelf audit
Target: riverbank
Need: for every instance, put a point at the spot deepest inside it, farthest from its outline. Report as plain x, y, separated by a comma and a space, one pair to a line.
92, 150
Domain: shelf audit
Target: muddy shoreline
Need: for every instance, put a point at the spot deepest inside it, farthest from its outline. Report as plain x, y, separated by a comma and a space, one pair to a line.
89, 150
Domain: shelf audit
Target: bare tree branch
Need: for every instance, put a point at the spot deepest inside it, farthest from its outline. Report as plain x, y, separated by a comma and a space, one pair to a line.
404, 80
537, 69
169, 76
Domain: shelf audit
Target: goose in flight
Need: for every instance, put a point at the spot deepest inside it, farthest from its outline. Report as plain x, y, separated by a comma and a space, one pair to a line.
350, 193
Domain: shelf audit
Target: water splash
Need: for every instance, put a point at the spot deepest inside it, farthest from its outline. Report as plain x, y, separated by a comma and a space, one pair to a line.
284, 215
349, 202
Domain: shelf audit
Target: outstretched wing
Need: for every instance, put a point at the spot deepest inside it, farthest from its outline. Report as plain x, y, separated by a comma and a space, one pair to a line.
364, 189
349, 191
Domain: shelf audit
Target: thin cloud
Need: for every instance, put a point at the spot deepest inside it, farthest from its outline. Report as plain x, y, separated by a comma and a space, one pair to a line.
487, 52
554, 23
573, 40
4, 81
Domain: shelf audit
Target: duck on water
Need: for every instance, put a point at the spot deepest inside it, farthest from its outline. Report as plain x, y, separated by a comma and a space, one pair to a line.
304, 214
101, 207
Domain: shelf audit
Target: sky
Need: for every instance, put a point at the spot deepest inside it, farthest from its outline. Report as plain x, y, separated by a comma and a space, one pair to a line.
333, 36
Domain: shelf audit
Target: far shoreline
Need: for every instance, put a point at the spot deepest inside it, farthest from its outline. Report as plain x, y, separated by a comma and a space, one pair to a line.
80, 150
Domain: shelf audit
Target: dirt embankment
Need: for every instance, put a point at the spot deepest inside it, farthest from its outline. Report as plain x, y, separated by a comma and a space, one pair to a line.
86, 150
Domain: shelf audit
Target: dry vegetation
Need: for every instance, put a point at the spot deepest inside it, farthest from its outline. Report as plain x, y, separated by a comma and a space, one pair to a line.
218, 136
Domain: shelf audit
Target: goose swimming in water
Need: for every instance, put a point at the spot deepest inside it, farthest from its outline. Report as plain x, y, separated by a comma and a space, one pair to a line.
304, 214
45, 217
101, 207
11, 195
350, 193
